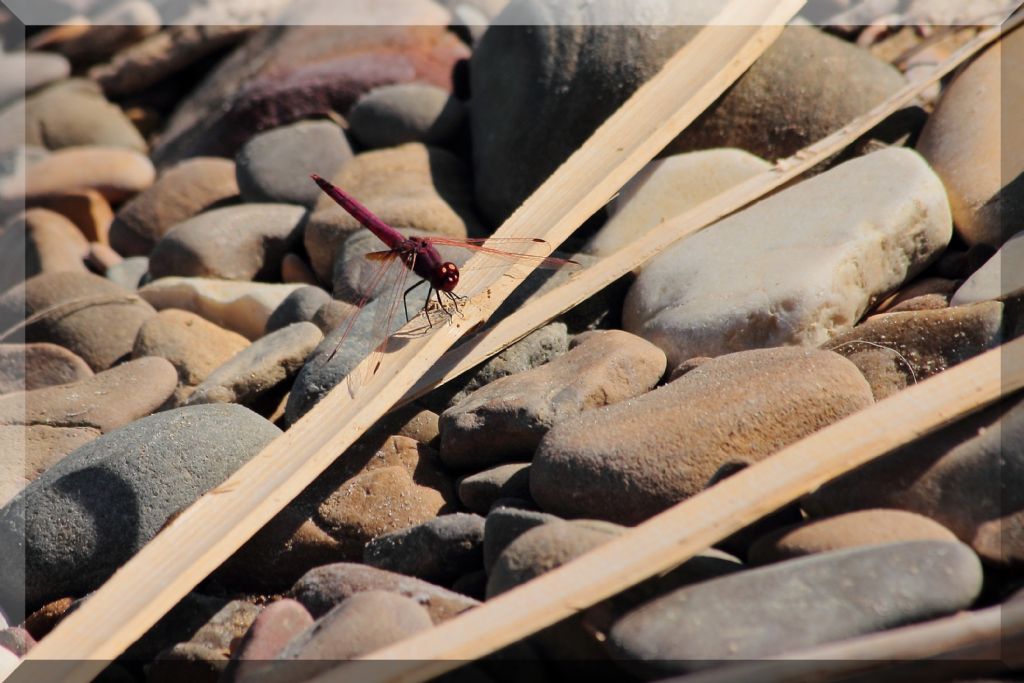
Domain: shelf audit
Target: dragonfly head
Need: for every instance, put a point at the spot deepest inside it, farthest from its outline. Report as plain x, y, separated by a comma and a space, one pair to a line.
447, 277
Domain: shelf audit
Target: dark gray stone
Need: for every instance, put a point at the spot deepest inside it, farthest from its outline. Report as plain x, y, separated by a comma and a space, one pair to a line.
566, 67
275, 166
407, 112
440, 550
797, 604
299, 306
479, 491
505, 524
89, 513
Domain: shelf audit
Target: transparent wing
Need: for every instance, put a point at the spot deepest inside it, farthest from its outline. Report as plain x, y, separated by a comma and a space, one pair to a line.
505, 249
392, 289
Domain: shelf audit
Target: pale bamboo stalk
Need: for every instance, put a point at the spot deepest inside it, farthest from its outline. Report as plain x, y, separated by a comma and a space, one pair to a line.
541, 309
670, 538
209, 531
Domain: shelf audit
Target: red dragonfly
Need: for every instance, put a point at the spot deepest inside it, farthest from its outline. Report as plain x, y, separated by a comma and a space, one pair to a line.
418, 255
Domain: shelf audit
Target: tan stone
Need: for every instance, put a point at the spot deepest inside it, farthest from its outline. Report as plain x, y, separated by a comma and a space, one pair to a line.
973, 143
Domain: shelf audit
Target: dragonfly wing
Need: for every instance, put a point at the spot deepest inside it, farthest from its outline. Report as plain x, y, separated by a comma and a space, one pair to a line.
384, 322
504, 250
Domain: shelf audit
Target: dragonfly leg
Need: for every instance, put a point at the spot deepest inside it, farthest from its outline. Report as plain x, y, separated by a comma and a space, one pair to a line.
405, 299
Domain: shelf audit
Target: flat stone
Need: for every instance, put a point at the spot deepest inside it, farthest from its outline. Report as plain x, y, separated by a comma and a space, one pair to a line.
534, 350
70, 113
194, 346
40, 241
504, 524
274, 166
24, 367
270, 632
267, 363
129, 273
245, 242
967, 477
322, 588
896, 350
165, 54
29, 450
582, 61
85, 313
299, 306
412, 186
668, 187
629, 461
113, 494
797, 604
359, 625
315, 67
181, 192
506, 419
105, 401
242, 307
992, 281
439, 550
117, 174
849, 530
744, 282
479, 491
980, 160
23, 72
393, 115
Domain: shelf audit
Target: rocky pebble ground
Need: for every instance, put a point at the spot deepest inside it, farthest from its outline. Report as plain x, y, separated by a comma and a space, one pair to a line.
172, 287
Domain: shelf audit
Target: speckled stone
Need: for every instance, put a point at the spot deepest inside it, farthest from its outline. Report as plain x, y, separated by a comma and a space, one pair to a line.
439, 550
113, 494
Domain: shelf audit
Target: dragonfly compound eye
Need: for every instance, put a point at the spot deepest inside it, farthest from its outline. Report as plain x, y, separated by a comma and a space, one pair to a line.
449, 276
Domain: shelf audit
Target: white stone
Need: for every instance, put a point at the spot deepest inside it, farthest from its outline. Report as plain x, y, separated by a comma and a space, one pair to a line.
798, 266
668, 187
241, 307
993, 281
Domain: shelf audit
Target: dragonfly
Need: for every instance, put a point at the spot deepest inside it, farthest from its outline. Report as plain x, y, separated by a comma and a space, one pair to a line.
420, 256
